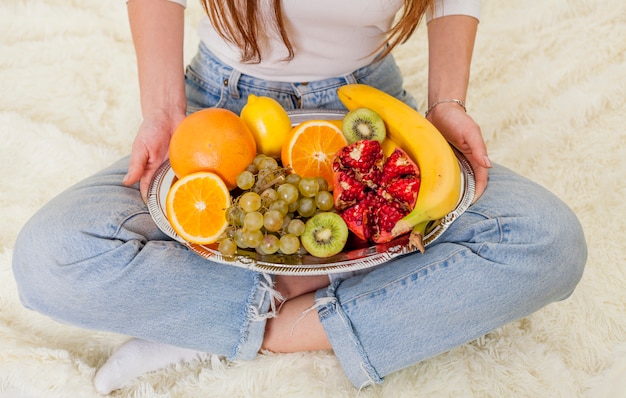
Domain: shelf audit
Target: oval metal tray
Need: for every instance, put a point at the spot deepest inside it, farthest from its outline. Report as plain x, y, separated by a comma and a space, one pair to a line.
355, 256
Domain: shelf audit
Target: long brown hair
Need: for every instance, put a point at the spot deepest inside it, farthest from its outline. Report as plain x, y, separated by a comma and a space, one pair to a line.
238, 22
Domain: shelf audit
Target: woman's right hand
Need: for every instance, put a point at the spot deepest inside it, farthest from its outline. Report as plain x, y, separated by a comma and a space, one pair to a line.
157, 28
150, 149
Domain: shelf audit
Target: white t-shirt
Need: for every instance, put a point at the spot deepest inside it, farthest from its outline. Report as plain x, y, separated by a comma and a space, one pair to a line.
330, 37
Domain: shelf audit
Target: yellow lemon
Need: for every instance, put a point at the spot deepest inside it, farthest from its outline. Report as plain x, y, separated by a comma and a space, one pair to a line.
269, 123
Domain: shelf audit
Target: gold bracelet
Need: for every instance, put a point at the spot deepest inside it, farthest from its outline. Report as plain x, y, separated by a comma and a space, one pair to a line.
458, 101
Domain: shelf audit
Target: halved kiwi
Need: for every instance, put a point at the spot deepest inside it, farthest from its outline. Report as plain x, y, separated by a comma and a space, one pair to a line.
325, 234
363, 124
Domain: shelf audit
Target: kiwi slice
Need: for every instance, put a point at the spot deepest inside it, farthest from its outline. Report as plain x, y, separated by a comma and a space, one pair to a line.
325, 234
363, 124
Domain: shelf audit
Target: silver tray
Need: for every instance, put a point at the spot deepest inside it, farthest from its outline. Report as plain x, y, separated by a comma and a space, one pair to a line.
356, 255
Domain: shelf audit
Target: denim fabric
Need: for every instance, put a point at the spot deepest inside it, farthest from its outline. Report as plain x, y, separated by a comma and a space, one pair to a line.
93, 257
515, 250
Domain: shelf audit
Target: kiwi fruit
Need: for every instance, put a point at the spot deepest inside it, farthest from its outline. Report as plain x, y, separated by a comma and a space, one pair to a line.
325, 234
363, 124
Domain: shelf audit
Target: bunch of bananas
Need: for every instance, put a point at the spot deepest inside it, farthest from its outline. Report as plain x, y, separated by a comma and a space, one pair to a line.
441, 182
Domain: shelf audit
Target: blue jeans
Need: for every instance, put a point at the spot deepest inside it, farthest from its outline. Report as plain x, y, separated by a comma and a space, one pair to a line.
93, 257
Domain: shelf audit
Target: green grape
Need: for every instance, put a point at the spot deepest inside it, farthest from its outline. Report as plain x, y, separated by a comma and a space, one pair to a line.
270, 174
227, 247
306, 207
268, 196
323, 184
288, 192
270, 244
250, 201
253, 220
268, 163
286, 221
234, 216
252, 238
265, 179
238, 238
289, 244
324, 200
257, 159
245, 180
293, 207
308, 187
280, 205
295, 227
293, 179
273, 220
252, 168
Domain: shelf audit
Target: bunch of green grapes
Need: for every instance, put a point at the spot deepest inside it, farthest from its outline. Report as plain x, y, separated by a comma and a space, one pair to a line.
270, 213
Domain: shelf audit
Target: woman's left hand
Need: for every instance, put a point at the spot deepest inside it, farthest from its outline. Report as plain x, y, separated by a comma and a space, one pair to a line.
464, 133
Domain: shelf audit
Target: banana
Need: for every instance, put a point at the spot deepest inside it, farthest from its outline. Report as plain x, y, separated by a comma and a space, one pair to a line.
389, 146
440, 174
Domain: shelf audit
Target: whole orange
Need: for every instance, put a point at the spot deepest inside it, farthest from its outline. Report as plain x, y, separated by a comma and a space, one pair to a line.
214, 140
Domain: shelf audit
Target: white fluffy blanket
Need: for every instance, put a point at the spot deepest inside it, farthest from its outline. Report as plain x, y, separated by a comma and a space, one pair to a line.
548, 88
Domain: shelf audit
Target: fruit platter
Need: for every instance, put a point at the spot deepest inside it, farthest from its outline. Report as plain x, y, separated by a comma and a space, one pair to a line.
277, 219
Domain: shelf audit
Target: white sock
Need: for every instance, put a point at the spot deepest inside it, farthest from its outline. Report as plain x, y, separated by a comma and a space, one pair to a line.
136, 357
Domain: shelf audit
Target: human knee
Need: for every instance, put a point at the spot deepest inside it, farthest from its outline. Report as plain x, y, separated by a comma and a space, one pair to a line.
44, 238
562, 250
31, 271
43, 253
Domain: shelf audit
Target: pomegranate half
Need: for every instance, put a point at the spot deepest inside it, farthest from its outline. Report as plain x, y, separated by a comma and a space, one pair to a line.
372, 193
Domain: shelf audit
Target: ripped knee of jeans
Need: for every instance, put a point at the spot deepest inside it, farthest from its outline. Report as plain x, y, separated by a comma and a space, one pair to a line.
268, 293
319, 302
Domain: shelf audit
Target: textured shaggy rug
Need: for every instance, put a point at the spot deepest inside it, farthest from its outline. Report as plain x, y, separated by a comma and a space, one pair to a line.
548, 88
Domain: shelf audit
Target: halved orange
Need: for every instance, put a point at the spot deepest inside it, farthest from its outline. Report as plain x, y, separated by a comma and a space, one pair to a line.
336, 122
310, 148
196, 207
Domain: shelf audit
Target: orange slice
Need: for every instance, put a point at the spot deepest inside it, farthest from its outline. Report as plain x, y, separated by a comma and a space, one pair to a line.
196, 207
336, 122
310, 148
